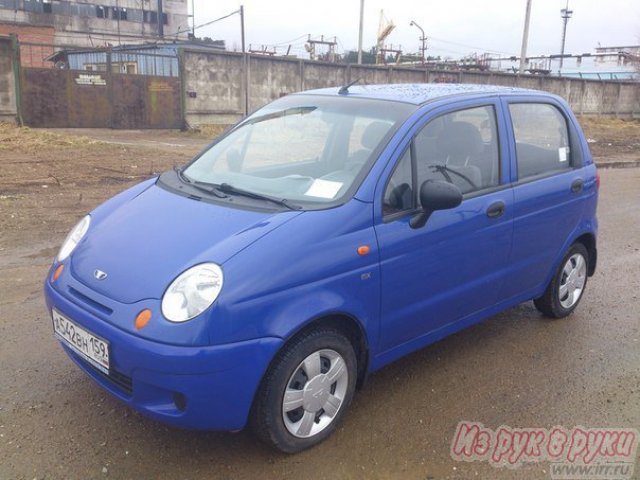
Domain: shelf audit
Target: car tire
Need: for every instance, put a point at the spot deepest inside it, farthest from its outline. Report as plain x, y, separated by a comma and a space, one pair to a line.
306, 391
567, 285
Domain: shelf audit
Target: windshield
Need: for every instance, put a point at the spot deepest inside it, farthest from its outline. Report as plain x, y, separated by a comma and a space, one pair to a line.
301, 148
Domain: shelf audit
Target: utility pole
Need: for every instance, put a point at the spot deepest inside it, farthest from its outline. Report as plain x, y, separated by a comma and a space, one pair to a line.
193, 18
242, 26
525, 39
423, 38
118, 14
160, 20
565, 13
245, 61
360, 32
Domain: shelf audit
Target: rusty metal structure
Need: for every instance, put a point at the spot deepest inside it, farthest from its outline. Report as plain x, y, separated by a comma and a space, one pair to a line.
111, 89
329, 56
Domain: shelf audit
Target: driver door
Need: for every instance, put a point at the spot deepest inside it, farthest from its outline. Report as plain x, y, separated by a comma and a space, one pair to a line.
455, 265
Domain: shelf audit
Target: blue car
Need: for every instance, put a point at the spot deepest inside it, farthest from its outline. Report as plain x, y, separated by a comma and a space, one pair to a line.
323, 237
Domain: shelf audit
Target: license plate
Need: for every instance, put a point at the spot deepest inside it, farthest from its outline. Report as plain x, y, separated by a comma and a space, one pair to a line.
93, 349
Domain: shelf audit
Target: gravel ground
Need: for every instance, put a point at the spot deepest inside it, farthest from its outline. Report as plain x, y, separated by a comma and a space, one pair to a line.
515, 369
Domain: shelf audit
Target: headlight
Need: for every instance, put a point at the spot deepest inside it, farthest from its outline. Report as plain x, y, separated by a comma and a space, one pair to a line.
192, 292
73, 239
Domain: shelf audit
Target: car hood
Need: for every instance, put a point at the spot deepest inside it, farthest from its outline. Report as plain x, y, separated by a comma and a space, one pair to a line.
145, 242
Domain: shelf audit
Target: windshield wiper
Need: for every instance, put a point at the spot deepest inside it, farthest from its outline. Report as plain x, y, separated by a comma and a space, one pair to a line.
225, 187
209, 188
219, 191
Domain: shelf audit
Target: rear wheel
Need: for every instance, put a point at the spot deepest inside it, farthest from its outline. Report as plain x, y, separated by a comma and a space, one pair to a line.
568, 284
306, 391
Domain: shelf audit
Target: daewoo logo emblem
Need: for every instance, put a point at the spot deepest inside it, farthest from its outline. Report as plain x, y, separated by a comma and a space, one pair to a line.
99, 274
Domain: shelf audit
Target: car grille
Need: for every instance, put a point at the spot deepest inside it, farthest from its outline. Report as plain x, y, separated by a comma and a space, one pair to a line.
115, 378
90, 302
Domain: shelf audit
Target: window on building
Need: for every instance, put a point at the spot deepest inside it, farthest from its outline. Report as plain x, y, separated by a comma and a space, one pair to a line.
119, 13
46, 6
150, 17
102, 12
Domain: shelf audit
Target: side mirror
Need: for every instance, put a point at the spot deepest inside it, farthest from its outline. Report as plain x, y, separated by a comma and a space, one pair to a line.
435, 195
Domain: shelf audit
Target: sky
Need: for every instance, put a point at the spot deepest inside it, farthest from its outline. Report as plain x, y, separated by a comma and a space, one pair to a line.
454, 28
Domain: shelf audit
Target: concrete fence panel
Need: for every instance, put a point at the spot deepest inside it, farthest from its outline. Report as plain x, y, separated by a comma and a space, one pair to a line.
628, 100
403, 75
319, 75
591, 102
504, 80
609, 100
214, 87
576, 91
8, 97
476, 77
270, 79
369, 75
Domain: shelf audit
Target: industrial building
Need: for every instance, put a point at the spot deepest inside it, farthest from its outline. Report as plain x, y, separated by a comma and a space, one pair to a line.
96, 23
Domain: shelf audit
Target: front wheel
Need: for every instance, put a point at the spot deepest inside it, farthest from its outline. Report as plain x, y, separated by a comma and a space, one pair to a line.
567, 286
306, 391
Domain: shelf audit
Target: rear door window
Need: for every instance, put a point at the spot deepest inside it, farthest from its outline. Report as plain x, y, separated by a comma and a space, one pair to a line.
542, 139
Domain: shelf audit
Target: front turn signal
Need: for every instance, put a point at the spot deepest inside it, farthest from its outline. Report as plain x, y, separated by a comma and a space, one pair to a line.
142, 319
57, 272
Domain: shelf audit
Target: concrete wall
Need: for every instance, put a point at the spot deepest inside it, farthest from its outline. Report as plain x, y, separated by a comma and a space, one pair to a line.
8, 109
216, 86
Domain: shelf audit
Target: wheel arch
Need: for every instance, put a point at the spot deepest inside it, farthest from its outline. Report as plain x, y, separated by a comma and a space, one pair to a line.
586, 235
589, 241
345, 323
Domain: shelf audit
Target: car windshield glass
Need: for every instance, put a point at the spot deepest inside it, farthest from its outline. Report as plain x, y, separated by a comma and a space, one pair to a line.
303, 148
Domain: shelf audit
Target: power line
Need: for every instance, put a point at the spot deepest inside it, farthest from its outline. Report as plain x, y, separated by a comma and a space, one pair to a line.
288, 42
475, 47
208, 23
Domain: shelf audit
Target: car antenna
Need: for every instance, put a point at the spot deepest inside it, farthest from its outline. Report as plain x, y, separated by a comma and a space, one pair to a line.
345, 88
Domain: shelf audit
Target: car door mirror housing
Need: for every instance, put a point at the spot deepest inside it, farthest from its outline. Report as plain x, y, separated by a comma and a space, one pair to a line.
435, 195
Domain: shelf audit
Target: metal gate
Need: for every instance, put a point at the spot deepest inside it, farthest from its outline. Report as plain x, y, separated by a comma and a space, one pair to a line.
103, 89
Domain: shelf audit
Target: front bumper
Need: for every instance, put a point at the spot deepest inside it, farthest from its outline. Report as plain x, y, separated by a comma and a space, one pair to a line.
200, 387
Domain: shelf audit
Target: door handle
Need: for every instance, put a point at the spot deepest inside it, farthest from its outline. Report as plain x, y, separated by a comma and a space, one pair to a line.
495, 210
577, 185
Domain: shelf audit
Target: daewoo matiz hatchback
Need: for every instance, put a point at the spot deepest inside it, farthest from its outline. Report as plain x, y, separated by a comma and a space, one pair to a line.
326, 235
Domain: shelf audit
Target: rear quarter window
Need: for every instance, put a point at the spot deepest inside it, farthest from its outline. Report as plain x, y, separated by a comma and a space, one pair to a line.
543, 143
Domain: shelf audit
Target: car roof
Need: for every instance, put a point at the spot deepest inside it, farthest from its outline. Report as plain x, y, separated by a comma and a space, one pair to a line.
419, 93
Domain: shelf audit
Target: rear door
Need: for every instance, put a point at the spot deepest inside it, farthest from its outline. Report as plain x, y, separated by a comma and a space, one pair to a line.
548, 179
